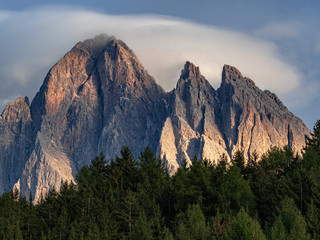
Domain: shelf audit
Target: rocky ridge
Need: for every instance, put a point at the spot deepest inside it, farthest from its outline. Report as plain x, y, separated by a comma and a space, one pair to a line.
98, 97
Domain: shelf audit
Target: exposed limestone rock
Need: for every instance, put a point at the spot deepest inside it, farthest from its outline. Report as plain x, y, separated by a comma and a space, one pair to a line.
195, 123
255, 120
15, 141
167, 149
98, 97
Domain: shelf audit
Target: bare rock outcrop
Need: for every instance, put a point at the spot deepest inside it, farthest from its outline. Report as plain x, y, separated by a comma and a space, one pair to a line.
98, 97
16, 139
256, 120
193, 127
208, 123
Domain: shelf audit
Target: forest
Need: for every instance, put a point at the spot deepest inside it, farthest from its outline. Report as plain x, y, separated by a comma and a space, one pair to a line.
273, 196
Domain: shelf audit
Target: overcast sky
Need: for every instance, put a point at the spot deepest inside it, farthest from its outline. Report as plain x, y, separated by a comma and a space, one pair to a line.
275, 43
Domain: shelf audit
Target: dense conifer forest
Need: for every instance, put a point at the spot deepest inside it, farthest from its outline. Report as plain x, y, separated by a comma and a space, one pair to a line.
274, 196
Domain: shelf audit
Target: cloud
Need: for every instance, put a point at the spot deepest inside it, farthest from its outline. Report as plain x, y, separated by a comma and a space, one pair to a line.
4, 15
33, 41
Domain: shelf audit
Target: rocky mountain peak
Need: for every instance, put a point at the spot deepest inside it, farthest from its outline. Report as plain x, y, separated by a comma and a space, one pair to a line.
118, 50
191, 80
23, 100
103, 43
15, 139
16, 110
94, 46
230, 73
99, 97
190, 71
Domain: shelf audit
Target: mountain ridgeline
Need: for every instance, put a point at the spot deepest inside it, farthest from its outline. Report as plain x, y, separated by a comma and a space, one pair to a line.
98, 98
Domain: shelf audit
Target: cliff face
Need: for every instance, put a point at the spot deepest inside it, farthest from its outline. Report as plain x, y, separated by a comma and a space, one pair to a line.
207, 123
192, 126
98, 97
16, 141
255, 120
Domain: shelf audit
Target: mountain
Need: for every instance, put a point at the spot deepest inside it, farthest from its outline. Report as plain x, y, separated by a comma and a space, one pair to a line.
207, 123
98, 97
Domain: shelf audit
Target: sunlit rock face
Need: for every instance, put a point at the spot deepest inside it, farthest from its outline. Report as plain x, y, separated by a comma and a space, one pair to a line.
98, 97
192, 124
208, 123
255, 120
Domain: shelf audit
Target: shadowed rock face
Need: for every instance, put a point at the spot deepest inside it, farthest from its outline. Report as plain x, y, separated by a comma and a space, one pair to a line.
207, 123
15, 141
98, 97
192, 126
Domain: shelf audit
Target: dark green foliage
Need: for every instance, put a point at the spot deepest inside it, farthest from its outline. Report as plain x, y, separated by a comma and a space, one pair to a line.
313, 220
191, 224
238, 160
290, 224
314, 141
271, 182
244, 227
230, 191
191, 184
277, 195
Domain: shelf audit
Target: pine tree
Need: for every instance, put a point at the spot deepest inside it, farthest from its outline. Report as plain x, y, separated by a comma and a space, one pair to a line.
191, 224
127, 212
314, 140
291, 220
313, 220
238, 160
243, 227
142, 228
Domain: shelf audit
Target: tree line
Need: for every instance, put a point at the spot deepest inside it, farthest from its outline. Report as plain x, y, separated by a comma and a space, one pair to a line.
274, 196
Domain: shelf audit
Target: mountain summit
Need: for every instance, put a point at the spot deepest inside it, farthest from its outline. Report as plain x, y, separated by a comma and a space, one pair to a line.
99, 97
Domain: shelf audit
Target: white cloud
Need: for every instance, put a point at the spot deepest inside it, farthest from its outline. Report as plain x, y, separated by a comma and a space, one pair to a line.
32, 41
4, 15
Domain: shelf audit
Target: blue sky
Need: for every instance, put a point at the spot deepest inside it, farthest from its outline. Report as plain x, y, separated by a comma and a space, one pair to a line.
276, 43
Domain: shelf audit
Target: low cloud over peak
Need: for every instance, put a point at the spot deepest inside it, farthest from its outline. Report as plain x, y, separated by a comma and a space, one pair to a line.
32, 41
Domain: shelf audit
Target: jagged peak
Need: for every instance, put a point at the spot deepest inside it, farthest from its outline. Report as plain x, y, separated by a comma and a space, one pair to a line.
104, 38
192, 82
116, 48
119, 43
190, 70
230, 73
275, 98
101, 43
93, 46
96, 41
23, 100
14, 108
19, 101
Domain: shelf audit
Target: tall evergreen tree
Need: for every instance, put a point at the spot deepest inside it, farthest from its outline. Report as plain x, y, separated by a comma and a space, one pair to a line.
243, 227
314, 140
191, 224
290, 223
